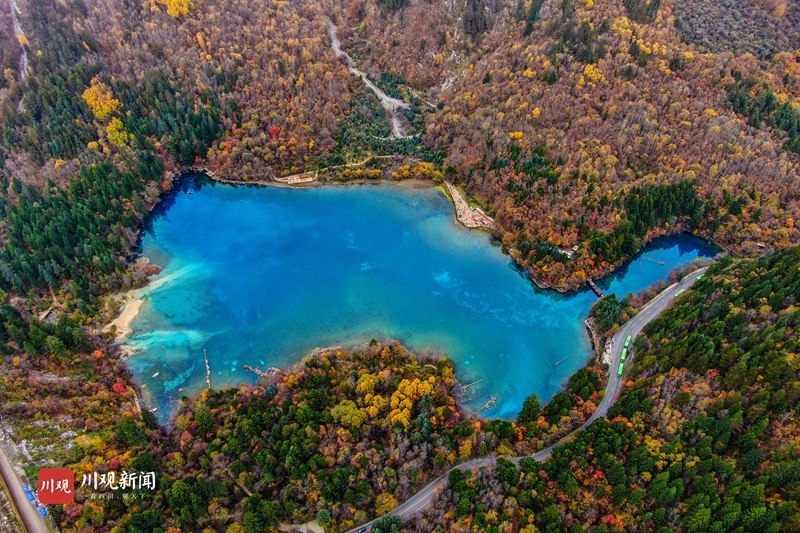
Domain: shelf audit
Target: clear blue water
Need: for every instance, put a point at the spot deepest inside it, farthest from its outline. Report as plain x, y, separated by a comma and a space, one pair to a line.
261, 276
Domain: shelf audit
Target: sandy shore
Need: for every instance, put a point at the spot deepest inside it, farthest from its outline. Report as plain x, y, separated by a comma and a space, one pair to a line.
123, 322
132, 302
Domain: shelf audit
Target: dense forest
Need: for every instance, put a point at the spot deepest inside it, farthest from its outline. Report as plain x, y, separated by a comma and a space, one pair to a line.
574, 123
703, 438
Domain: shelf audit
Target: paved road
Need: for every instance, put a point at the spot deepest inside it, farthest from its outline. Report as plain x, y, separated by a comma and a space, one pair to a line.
422, 499
633, 327
31, 519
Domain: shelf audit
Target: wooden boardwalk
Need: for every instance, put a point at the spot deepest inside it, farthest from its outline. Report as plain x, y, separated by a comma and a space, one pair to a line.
464, 388
261, 373
597, 290
489, 404
208, 369
470, 217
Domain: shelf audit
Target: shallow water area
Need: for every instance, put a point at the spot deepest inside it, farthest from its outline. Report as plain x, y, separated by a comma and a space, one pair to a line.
262, 275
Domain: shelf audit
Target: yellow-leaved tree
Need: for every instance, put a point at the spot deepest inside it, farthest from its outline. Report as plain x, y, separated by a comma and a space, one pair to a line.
384, 503
116, 133
177, 8
418, 171
348, 414
100, 99
403, 399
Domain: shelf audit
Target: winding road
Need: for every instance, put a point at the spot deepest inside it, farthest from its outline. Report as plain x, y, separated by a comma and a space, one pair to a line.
425, 497
31, 519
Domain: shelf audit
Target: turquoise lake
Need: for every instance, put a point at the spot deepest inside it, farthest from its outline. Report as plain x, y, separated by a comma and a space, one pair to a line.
262, 275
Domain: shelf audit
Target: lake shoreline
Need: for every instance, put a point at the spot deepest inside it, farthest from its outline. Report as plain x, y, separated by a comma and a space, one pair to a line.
409, 184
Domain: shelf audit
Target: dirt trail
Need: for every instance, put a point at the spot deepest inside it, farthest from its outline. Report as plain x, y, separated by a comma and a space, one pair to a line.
392, 105
23, 58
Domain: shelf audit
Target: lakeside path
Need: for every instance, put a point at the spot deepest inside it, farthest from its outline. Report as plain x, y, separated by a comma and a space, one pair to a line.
31, 519
425, 497
294, 179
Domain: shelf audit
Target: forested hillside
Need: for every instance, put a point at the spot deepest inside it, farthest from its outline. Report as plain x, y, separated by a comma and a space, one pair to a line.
9, 51
608, 98
703, 438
